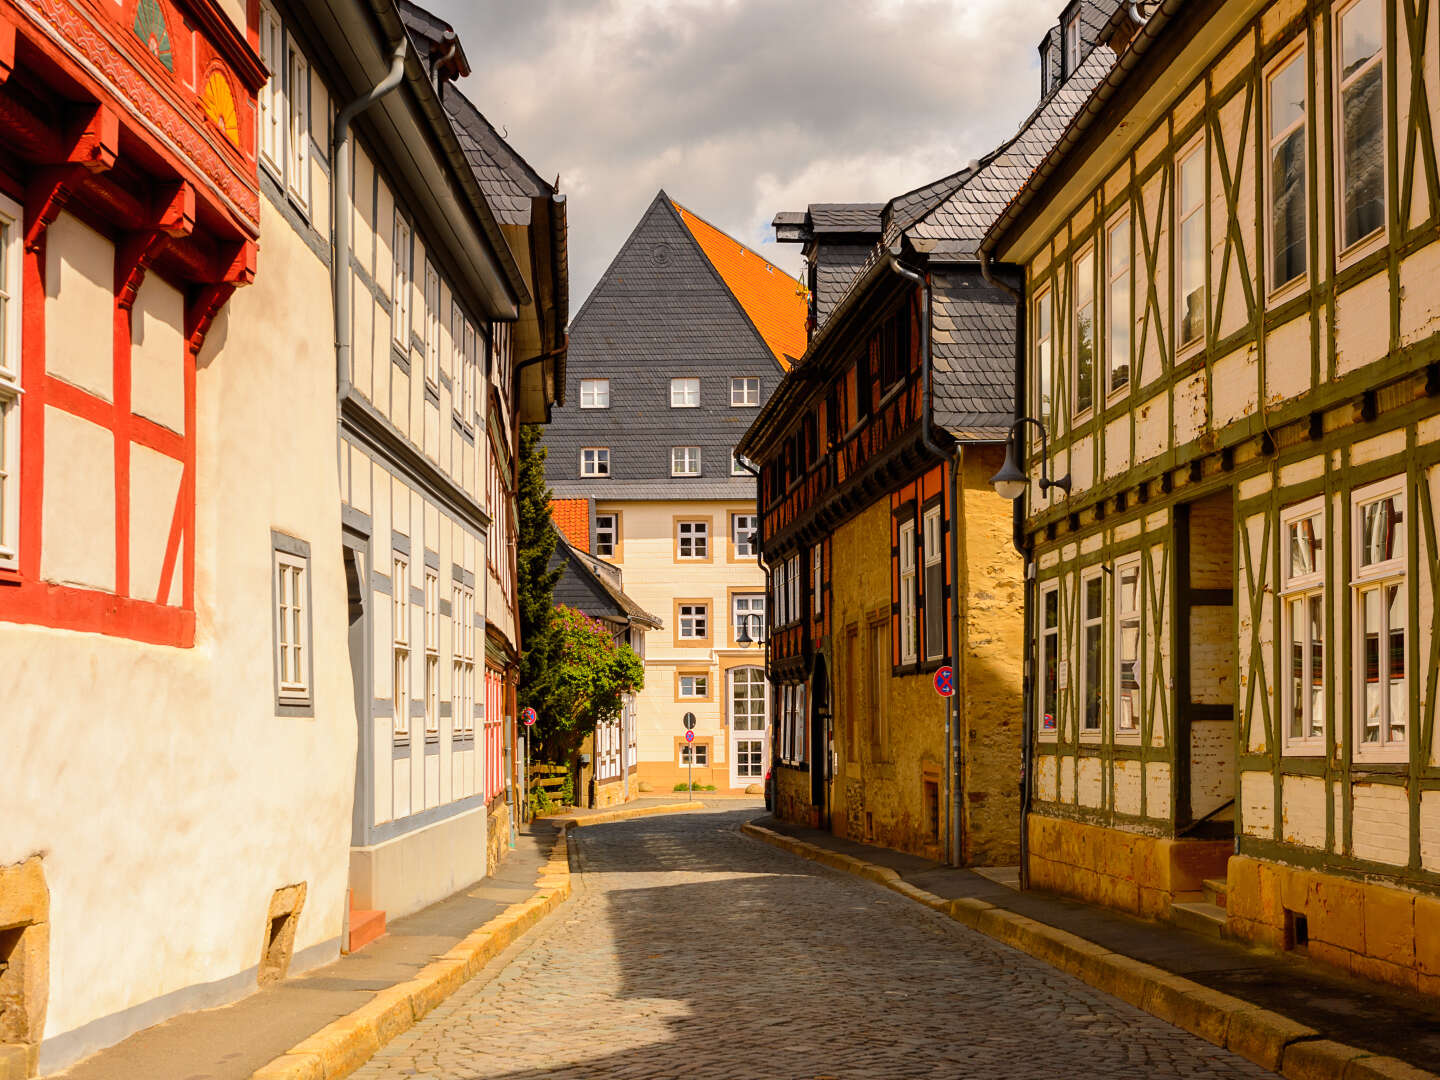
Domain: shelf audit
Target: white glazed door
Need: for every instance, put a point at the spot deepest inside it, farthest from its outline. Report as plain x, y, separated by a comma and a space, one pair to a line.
747, 703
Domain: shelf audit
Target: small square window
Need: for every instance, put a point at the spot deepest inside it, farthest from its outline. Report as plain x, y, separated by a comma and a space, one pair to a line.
685, 461
595, 461
744, 391
694, 754
742, 534
694, 622
693, 540
594, 393
694, 686
607, 534
747, 611
684, 393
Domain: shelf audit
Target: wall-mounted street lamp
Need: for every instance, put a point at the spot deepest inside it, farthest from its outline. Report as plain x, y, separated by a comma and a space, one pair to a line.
745, 637
1011, 481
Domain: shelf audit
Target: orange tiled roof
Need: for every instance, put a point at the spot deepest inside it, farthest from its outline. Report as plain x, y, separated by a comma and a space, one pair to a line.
572, 518
773, 299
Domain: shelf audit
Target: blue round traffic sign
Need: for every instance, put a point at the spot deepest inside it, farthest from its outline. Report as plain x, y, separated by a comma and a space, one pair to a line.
945, 681
528, 715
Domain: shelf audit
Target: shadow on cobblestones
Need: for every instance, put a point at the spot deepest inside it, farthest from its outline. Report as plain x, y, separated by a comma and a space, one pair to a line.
690, 951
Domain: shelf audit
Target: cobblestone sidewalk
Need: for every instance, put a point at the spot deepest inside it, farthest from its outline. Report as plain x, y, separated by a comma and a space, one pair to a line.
688, 951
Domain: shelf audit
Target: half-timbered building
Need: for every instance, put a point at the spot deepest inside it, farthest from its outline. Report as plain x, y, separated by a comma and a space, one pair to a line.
1231, 341
891, 566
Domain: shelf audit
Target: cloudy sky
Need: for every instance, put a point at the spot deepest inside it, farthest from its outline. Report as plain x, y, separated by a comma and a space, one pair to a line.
741, 108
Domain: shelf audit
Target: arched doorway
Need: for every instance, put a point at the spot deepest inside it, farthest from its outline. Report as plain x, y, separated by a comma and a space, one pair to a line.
820, 739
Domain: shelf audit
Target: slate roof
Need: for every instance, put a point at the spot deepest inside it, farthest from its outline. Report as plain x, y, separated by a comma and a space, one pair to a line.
835, 269
845, 217
593, 586
660, 311
774, 301
506, 178
973, 355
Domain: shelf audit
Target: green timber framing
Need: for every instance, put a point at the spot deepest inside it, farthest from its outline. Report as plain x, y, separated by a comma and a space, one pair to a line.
1197, 72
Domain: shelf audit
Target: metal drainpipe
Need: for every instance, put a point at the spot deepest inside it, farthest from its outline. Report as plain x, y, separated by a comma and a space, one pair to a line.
952, 778
340, 208
1022, 545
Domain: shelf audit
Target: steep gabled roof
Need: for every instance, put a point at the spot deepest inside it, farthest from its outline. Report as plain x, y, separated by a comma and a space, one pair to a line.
773, 300
594, 587
506, 178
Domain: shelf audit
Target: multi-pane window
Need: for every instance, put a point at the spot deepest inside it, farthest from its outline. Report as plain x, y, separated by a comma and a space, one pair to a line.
595, 461
400, 645
1362, 120
297, 155
685, 461
749, 758
747, 612
594, 393
696, 754
1119, 313
1044, 358
1286, 100
607, 534
292, 647
742, 533
817, 579
747, 699
10, 254
1084, 336
400, 283
1127, 648
432, 325
1092, 591
1048, 701
1190, 215
462, 611
934, 585
432, 653
792, 586
909, 596
692, 540
472, 370
1072, 46
694, 686
744, 391
459, 362
694, 621
738, 465
684, 393
792, 723
272, 116
1302, 532
1381, 604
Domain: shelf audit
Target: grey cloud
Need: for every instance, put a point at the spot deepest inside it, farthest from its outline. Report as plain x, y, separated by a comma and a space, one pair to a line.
740, 108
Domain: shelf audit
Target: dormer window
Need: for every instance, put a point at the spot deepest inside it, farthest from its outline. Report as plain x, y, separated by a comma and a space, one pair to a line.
1072, 45
1047, 66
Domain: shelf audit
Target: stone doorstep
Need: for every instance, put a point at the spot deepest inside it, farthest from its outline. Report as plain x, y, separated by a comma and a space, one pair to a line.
1266, 1038
342, 1046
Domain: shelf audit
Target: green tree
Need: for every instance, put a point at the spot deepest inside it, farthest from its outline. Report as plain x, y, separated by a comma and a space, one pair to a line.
584, 684
534, 580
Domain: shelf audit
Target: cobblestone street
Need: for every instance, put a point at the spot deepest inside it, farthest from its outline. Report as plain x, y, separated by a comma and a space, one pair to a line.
690, 950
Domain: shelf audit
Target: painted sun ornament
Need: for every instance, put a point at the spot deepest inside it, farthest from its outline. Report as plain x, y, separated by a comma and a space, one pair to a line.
219, 105
150, 28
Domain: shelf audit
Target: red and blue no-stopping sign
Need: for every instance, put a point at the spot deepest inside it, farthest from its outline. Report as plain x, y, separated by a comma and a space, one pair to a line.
945, 681
528, 715
689, 736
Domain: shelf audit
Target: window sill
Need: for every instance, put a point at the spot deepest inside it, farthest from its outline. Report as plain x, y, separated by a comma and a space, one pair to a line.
1395, 756
1282, 294
1305, 750
1357, 252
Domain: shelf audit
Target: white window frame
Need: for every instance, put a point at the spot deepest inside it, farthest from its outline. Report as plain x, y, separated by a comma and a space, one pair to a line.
11, 315
744, 391
432, 653
695, 535
909, 595
743, 524
400, 283
1077, 277
699, 688
1298, 54
432, 325
1044, 357
1127, 618
612, 529
680, 460
817, 579
291, 575
273, 112
462, 614
698, 618
933, 554
1072, 45
696, 751
594, 393
737, 465
1197, 146
1302, 589
792, 587
747, 604
1349, 252
1089, 732
1048, 632
297, 132
685, 393
595, 461
1119, 273
459, 363
400, 645
1392, 572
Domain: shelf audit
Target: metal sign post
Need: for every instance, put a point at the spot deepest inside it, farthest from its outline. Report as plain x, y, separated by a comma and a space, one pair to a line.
689, 722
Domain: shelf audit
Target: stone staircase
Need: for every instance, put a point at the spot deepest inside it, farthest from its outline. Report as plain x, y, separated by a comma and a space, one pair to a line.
1204, 913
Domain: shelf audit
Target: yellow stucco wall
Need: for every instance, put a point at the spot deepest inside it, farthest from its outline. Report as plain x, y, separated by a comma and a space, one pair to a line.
655, 580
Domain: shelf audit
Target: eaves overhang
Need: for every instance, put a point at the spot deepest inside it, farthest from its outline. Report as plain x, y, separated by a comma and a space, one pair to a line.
420, 149
1065, 170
